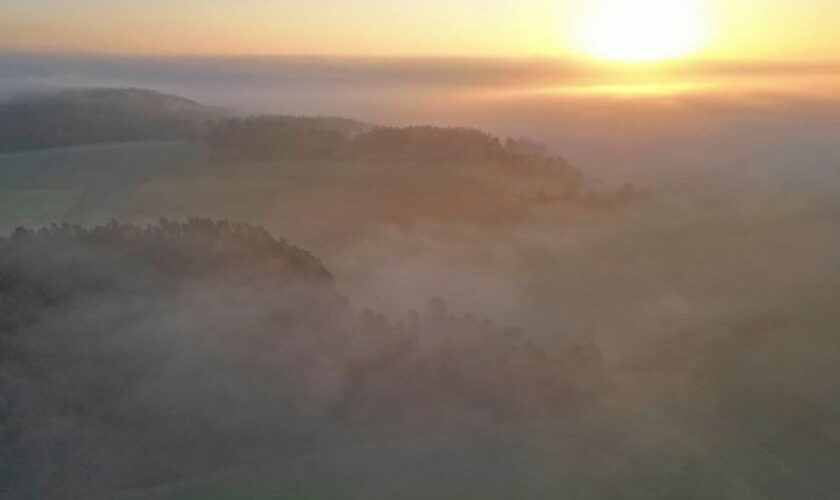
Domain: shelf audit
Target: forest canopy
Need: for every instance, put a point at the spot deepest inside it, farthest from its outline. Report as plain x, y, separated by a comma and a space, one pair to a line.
267, 138
134, 354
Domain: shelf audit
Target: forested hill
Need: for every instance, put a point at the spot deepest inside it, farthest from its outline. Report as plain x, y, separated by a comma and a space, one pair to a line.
169, 251
266, 138
94, 116
101, 116
134, 355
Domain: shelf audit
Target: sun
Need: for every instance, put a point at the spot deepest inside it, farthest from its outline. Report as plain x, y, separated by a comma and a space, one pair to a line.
641, 30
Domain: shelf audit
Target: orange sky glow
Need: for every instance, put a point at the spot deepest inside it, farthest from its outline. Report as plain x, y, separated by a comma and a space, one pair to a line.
713, 29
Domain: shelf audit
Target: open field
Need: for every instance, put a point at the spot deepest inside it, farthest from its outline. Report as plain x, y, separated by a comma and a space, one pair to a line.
35, 207
85, 184
110, 166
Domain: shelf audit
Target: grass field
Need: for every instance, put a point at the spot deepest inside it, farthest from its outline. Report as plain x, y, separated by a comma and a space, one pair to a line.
36, 207
110, 166
85, 184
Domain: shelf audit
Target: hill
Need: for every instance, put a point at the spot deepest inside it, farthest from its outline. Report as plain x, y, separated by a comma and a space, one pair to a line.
139, 155
93, 116
135, 355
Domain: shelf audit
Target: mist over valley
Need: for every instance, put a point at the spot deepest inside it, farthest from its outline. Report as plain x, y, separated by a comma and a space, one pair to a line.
415, 278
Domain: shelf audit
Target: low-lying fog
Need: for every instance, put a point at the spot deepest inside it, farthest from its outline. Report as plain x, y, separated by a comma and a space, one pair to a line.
712, 298
620, 125
744, 161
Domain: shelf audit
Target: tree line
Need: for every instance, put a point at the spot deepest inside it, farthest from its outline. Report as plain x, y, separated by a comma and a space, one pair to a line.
265, 138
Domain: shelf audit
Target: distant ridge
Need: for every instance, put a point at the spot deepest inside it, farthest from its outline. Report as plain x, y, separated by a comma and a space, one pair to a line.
116, 97
100, 115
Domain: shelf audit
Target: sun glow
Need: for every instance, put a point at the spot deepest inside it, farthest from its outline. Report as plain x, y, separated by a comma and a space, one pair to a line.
641, 30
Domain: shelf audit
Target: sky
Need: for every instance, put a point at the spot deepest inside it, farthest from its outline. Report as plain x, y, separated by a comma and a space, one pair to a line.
732, 29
